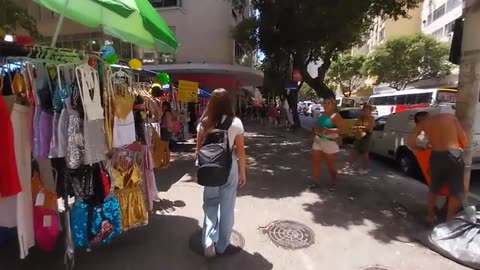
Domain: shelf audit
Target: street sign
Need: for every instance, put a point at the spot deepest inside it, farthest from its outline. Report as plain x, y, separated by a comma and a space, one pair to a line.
187, 91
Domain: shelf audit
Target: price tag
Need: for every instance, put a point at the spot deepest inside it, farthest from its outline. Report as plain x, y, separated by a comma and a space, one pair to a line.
47, 221
40, 199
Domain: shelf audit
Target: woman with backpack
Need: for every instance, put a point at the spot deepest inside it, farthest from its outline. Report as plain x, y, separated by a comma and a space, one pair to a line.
218, 225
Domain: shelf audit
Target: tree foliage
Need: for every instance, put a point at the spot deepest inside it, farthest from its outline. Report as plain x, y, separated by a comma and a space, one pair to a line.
405, 60
346, 71
13, 15
313, 30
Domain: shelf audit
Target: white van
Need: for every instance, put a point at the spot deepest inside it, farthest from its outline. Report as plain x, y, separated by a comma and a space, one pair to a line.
391, 133
346, 102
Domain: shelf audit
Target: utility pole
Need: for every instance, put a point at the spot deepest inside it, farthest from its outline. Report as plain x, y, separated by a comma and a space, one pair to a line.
469, 79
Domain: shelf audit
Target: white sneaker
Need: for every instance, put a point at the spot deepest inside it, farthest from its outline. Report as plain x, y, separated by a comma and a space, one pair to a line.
209, 252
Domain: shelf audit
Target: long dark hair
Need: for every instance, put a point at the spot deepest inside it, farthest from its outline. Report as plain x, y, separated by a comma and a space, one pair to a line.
220, 104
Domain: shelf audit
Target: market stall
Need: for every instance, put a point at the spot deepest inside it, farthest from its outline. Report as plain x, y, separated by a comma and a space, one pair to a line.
79, 133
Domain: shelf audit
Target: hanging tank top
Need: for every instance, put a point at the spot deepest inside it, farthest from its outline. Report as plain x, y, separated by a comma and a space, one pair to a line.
88, 81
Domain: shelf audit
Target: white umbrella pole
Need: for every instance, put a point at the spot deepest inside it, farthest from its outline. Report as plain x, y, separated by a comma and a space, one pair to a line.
59, 25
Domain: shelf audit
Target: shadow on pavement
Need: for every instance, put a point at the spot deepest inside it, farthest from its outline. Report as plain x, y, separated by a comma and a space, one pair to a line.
163, 244
389, 206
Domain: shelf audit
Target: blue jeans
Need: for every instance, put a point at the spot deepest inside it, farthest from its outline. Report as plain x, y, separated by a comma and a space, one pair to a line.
219, 209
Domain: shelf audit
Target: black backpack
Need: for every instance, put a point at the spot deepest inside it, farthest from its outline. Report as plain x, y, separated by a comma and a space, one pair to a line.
214, 159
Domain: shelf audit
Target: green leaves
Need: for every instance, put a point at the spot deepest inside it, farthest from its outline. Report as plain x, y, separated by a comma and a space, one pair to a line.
305, 31
13, 15
408, 59
346, 71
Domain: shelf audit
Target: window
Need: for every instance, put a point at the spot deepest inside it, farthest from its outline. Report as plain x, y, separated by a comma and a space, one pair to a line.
425, 98
439, 12
166, 3
379, 100
380, 124
390, 100
401, 100
446, 97
452, 4
411, 99
351, 114
449, 28
438, 34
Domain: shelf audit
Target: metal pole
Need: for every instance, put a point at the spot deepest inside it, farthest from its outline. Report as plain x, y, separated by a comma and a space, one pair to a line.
58, 29
469, 80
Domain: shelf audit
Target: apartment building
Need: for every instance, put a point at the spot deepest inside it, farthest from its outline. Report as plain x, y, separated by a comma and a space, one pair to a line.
384, 29
207, 52
438, 18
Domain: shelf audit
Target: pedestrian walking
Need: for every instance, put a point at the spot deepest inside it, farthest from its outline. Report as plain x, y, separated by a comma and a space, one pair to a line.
263, 115
446, 137
363, 130
273, 113
219, 202
325, 143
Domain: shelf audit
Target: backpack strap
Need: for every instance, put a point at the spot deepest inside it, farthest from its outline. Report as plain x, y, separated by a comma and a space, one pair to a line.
225, 125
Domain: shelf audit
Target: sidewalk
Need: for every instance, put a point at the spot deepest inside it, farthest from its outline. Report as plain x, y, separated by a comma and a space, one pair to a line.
369, 220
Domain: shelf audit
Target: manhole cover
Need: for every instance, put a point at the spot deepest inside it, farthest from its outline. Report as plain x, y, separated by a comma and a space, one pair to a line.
375, 267
290, 234
236, 240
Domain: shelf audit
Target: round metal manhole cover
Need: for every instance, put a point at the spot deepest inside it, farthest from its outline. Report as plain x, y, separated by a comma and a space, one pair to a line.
290, 234
237, 243
375, 267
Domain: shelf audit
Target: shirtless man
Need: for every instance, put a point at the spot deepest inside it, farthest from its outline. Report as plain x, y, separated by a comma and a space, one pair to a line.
444, 133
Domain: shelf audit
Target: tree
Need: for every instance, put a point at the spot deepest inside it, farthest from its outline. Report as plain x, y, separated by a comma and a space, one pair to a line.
306, 93
346, 71
405, 60
315, 30
13, 15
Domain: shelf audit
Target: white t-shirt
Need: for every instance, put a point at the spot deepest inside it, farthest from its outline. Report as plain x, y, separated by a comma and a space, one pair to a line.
235, 129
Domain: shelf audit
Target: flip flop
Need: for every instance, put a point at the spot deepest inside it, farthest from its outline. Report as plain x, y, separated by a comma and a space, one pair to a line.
332, 188
314, 186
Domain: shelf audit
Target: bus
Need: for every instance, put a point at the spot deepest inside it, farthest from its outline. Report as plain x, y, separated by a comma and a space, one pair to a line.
398, 101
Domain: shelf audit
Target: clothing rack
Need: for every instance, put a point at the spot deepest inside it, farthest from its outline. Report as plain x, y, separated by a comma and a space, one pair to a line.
13, 53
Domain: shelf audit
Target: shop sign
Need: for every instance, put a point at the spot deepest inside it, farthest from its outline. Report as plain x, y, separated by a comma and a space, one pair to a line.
187, 91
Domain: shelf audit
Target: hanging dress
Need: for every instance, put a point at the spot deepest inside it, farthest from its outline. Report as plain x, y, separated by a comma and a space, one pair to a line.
9, 180
93, 134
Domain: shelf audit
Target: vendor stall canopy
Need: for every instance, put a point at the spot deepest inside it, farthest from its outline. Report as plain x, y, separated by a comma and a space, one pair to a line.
134, 21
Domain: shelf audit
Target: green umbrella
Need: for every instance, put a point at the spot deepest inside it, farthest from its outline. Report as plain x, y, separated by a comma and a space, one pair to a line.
134, 21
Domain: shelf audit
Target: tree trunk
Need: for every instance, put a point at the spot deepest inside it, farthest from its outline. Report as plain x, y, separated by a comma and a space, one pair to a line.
317, 84
469, 80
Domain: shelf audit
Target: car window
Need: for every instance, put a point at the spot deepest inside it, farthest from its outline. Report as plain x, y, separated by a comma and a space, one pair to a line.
424, 98
350, 114
401, 100
380, 124
411, 99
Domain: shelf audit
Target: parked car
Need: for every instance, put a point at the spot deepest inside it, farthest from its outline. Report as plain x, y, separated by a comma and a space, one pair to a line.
390, 137
350, 116
316, 110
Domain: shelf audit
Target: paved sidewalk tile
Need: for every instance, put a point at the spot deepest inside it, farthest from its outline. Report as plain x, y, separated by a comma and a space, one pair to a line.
370, 219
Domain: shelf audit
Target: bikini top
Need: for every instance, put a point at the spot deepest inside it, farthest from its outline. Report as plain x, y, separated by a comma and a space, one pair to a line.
325, 122
89, 84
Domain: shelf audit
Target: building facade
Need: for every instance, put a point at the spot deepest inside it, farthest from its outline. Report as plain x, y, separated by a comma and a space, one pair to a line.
385, 29
207, 52
438, 18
